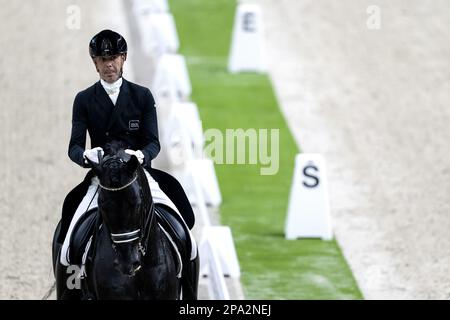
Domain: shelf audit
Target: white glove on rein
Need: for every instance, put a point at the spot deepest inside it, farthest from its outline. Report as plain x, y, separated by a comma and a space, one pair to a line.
137, 153
92, 154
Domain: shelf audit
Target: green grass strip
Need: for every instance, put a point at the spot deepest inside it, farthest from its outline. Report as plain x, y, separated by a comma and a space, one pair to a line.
254, 206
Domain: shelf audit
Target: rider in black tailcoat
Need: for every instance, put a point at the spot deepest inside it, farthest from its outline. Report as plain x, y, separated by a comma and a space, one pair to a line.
116, 109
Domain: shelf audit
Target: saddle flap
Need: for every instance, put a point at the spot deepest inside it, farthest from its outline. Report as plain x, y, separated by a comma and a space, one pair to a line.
83, 230
71, 203
170, 221
173, 189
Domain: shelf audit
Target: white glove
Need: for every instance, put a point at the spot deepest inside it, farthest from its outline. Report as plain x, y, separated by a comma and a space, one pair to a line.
139, 155
92, 154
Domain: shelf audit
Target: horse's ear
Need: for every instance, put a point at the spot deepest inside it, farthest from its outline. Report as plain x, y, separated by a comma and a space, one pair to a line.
132, 164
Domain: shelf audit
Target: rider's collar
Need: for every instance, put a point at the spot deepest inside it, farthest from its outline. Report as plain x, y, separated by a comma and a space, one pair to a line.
111, 87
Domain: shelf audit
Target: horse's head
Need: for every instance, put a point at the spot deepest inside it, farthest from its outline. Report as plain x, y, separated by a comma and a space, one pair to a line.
121, 203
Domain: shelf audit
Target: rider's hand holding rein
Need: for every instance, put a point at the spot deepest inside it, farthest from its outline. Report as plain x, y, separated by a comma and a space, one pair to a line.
139, 155
93, 154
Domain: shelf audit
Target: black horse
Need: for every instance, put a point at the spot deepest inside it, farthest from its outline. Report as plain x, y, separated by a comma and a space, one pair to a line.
132, 249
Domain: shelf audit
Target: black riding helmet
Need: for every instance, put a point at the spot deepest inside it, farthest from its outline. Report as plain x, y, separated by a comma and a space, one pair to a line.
107, 43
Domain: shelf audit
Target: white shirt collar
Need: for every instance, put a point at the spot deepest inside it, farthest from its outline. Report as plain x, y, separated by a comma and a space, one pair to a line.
112, 88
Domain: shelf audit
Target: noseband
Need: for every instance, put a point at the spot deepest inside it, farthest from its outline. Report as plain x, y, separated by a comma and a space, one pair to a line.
126, 237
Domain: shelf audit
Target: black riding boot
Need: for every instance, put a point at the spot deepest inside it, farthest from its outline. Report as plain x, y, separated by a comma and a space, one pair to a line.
190, 279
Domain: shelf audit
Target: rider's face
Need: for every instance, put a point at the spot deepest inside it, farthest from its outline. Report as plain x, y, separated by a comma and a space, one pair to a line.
110, 68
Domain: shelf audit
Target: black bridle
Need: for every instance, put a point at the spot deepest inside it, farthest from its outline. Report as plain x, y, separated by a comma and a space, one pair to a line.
146, 215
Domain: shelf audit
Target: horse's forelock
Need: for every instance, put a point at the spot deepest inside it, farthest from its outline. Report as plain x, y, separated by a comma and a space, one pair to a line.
113, 147
113, 164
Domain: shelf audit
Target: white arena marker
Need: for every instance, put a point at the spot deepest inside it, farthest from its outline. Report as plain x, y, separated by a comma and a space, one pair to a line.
194, 190
212, 268
150, 6
192, 125
180, 131
221, 239
177, 142
171, 80
158, 33
309, 210
206, 175
248, 48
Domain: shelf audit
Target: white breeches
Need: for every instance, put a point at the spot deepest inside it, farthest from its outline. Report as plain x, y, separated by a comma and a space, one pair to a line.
90, 201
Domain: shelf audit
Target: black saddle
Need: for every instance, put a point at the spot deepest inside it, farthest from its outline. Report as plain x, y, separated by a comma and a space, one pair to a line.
171, 187
167, 218
71, 203
82, 232
171, 222
89, 223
